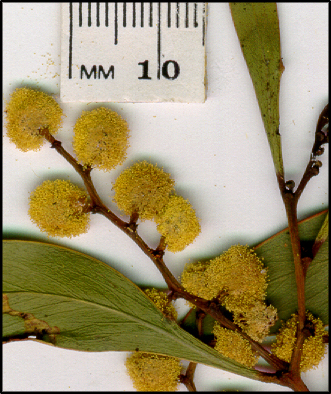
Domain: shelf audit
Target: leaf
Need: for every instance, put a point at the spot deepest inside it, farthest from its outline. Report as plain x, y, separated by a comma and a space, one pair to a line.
257, 28
74, 301
282, 291
317, 284
322, 235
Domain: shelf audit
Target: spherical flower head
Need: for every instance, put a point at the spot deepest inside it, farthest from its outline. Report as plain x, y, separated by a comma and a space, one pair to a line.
153, 372
241, 275
178, 224
237, 277
144, 189
101, 139
256, 319
313, 348
58, 208
162, 302
28, 111
195, 280
231, 344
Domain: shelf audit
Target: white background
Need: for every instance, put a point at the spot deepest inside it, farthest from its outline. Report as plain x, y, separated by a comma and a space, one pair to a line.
217, 153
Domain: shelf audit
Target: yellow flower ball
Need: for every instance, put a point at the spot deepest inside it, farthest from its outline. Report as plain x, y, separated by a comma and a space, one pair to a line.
143, 188
178, 223
231, 344
28, 111
313, 348
238, 280
236, 277
153, 372
58, 208
101, 139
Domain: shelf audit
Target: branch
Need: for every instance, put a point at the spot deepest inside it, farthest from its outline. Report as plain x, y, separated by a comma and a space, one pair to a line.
321, 138
291, 199
209, 307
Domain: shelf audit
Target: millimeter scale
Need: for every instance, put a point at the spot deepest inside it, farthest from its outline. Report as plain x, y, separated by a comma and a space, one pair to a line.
133, 52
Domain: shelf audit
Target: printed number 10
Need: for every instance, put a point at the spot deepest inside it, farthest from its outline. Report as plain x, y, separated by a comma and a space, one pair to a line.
169, 74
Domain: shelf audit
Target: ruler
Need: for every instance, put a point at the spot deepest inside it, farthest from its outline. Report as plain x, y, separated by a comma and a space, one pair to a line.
133, 52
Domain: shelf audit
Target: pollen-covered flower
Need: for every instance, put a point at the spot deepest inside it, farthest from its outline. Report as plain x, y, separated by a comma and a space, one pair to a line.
153, 372
238, 280
256, 319
28, 111
313, 348
143, 188
178, 223
236, 277
58, 208
101, 138
195, 280
162, 302
231, 344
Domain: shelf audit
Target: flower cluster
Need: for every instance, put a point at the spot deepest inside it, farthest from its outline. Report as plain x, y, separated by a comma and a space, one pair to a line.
154, 372
144, 189
147, 190
59, 208
313, 348
238, 280
101, 139
231, 344
29, 111
177, 223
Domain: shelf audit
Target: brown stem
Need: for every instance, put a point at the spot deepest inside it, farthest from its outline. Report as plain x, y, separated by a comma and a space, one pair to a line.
293, 381
290, 201
321, 138
209, 307
187, 379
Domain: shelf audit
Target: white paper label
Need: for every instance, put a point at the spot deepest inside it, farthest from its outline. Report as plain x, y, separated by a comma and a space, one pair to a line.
133, 52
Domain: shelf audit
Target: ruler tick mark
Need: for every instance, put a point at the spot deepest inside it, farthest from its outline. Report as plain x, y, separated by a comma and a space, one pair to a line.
98, 14
177, 14
70, 40
203, 24
89, 22
159, 42
133, 14
124, 14
196, 15
107, 15
80, 14
151, 15
142, 15
116, 24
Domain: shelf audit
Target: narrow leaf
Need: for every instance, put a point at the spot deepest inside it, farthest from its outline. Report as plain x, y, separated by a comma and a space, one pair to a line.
257, 28
74, 301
